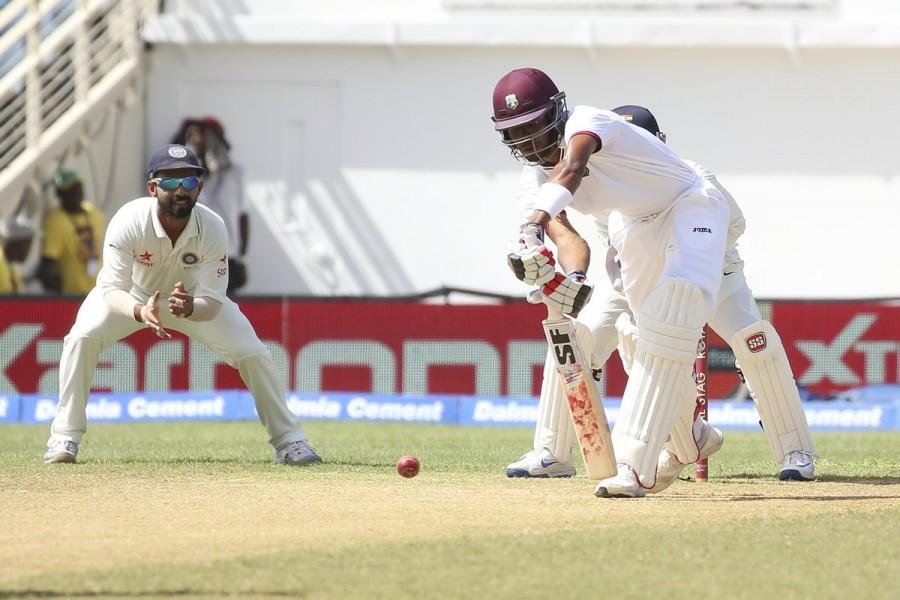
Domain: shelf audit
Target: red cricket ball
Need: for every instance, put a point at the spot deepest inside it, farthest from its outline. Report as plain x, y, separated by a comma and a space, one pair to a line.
408, 466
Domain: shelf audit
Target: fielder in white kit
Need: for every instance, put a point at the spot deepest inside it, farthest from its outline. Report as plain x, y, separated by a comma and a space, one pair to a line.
757, 347
166, 242
669, 227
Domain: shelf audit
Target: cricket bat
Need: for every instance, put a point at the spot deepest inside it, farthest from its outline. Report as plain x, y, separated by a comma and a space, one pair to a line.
585, 407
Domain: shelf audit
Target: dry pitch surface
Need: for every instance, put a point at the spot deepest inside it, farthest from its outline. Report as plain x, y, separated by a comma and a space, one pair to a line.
123, 524
124, 520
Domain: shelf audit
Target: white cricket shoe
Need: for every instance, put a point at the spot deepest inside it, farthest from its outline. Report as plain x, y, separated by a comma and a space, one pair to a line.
297, 453
61, 451
798, 466
540, 463
668, 468
623, 485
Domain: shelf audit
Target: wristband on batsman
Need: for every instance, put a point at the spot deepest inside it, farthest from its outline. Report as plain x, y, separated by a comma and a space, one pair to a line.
552, 198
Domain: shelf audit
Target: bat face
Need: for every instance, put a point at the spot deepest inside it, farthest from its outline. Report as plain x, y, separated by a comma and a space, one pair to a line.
584, 403
562, 340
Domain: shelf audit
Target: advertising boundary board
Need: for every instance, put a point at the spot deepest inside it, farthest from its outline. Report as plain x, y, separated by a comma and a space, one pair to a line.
494, 411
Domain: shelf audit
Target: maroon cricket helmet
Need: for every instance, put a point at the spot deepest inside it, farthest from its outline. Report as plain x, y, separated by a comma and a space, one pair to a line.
523, 95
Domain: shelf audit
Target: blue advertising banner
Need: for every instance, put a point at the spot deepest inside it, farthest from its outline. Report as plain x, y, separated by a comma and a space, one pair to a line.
490, 411
149, 406
9, 409
373, 407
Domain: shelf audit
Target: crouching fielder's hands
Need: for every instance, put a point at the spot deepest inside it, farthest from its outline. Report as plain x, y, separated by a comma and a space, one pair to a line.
181, 304
150, 316
530, 260
569, 293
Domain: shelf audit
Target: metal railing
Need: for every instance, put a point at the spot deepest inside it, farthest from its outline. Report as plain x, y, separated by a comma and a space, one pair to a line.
60, 62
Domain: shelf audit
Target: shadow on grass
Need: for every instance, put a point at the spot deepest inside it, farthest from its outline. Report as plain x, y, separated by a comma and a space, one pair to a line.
183, 460
147, 594
886, 480
216, 460
237, 461
847, 498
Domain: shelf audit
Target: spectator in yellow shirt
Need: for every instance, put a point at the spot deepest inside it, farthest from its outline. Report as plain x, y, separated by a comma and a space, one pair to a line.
73, 239
16, 234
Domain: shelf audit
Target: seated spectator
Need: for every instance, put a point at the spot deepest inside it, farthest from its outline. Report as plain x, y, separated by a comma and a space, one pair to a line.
72, 239
16, 234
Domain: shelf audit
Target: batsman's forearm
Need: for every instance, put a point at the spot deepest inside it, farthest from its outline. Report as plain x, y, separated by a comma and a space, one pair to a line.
540, 218
574, 253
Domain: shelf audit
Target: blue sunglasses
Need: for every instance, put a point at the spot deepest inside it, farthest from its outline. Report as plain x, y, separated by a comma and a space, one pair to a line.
170, 184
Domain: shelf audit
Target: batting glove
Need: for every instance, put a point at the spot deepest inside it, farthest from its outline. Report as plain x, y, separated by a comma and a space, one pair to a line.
569, 293
534, 267
531, 235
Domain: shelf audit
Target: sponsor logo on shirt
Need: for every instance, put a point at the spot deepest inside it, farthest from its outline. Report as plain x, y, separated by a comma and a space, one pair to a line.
144, 258
223, 270
702, 230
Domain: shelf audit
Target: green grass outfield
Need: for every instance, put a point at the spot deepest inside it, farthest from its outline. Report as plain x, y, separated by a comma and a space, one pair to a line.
196, 510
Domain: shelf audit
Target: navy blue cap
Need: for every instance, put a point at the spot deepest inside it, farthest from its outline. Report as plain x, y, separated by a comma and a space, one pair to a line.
173, 156
640, 116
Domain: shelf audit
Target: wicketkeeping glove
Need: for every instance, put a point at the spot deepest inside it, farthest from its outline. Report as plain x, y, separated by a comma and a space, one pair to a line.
569, 293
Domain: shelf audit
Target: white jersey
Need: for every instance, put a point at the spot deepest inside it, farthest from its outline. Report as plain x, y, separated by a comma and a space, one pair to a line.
736, 224
533, 177
633, 173
138, 256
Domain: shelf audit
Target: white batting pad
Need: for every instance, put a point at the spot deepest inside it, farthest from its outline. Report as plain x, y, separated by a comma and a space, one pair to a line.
660, 385
554, 429
627, 331
683, 438
760, 355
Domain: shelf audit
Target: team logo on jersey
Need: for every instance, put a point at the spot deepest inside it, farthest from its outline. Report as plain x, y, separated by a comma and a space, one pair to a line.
189, 258
144, 258
512, 102
177, 152
756, 342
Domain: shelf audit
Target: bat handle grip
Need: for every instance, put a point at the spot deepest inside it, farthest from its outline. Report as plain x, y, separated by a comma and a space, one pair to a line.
553, 313
535, 296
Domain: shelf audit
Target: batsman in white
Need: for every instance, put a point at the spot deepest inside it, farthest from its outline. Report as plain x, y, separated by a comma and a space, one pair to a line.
756, 345
166, 241
669, 227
